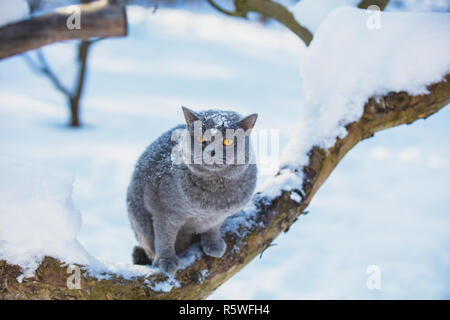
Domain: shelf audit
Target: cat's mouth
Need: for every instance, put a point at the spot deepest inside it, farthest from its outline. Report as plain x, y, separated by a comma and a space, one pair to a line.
209, 167
214, 166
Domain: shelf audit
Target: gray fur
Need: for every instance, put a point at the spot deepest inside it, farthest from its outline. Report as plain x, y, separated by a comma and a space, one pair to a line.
168, 203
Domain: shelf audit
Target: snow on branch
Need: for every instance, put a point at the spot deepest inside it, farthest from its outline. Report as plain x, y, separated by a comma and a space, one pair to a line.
101, 18
247, 234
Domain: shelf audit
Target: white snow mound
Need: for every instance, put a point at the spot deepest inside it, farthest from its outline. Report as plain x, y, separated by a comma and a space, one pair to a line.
38, 219
37, 216
357, 54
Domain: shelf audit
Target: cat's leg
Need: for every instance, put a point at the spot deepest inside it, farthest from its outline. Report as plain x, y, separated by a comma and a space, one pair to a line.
141, 223
184, 239
165, 237
140, 256
212, 243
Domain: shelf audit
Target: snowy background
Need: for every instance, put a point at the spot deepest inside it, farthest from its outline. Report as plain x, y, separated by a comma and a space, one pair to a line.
386, 204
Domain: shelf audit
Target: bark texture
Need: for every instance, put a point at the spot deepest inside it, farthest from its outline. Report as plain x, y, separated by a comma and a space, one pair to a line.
273, 218
98, 19
267, 9
364, 4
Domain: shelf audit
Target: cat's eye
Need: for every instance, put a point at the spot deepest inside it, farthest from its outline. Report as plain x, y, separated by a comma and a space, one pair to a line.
200, 139
227, 142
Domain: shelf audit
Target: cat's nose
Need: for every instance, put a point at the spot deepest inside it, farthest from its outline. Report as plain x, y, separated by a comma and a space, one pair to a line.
213, 153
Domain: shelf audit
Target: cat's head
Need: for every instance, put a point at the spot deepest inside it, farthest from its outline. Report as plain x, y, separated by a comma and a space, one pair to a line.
217, 142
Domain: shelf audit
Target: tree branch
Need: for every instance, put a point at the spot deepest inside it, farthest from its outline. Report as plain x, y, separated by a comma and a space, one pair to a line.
278, 12
82, 60
364, 4
268, 9
226, 12
73, 96
44, 68
272, 218
101, 18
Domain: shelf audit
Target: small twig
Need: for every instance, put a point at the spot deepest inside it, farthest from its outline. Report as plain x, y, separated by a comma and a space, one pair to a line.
155, 8
45, 69
270, 245
235, 13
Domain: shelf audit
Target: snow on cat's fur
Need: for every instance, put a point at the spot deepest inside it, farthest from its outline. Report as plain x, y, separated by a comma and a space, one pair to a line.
168, 202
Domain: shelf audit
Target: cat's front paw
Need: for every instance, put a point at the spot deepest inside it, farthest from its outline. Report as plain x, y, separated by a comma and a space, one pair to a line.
215, 248
167, 265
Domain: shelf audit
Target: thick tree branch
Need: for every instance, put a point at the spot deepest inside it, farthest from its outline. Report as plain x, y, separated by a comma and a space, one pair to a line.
226, 12
269, 9
272, 218
364, 4
278, 12
101, 18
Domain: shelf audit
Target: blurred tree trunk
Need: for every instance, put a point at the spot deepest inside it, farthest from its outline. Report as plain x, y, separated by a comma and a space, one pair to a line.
74, 113
75, 98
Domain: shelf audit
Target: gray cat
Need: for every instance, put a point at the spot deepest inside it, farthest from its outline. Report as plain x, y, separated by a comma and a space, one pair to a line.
188, 182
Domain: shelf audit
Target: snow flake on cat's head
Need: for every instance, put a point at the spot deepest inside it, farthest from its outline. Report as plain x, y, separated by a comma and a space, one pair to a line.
219, 118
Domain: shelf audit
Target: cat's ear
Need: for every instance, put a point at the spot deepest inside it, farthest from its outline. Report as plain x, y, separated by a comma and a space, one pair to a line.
189, 115
248, 122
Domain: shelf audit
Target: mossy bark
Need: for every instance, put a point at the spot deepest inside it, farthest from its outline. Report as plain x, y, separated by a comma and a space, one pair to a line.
277, 216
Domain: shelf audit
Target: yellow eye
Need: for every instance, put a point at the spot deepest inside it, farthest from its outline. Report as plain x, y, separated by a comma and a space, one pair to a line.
227, 142
200, 139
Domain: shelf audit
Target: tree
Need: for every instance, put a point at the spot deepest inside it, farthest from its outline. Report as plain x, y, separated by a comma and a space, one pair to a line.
100, 19
276, 215
73, 96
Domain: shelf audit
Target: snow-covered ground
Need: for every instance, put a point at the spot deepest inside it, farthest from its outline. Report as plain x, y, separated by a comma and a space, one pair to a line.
385, 205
